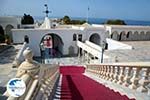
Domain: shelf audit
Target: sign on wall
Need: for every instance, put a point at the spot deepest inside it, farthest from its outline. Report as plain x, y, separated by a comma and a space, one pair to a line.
48, 42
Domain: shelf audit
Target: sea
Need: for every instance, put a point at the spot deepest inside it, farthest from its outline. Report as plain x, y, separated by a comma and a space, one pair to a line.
100, 20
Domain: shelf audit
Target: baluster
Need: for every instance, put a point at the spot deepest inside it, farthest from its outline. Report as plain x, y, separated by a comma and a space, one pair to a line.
91, 70
112, 73
105, 74
108, 72
101, 69
98, 71
121, 76
116, 74
104, 71
144, 80
127, 76
95, 70
135, 78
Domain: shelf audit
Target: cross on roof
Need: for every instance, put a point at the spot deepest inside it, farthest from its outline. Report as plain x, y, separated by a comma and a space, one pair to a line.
47, 11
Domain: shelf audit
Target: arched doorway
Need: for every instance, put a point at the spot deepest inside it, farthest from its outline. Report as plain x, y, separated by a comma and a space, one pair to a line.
95, 38
135, 36
55, 43
122, 36
148, 35
115, 35
8, 31
2, 37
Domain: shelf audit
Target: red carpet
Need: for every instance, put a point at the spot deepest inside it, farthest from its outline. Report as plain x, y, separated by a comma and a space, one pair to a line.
69, 70
76, 86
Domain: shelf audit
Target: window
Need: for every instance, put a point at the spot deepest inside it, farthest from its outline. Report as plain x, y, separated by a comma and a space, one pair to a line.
74, 37
26, 39
80, 37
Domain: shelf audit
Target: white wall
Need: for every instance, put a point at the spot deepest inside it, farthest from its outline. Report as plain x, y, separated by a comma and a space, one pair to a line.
100, 32
9, 20
132, 29
35, 37
113, 45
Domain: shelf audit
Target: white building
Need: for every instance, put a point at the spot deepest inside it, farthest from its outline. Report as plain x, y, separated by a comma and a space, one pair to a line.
64, 36
8, 23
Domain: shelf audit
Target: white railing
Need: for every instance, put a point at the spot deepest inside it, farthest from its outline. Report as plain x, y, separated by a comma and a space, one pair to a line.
89, 49
135, 76
39, 79
19, 57
48, 81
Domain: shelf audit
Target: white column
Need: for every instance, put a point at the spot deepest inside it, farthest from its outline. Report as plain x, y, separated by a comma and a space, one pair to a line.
121, 76
144, 80
135, 78
127, 76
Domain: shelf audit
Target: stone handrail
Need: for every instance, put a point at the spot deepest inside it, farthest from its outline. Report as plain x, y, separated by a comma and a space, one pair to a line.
19, 57
50, 75
39, 79
133, 75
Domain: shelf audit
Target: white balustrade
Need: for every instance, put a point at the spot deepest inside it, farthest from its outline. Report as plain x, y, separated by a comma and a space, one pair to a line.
121, 76
132, 76
39, 81
127, 76
135, 78
112, 73
144, 80
116, 75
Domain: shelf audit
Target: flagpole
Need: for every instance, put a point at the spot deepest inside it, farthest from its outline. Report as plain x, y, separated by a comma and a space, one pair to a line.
87, 14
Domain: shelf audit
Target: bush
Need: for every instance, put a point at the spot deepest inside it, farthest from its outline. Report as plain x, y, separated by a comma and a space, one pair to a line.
27, 19
115, 22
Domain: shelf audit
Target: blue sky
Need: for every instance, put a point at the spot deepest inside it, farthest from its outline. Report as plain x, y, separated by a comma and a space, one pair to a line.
111, 9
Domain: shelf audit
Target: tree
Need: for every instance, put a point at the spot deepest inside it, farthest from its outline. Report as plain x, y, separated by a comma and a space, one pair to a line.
77, 22
27, 19
115, 22
66, 20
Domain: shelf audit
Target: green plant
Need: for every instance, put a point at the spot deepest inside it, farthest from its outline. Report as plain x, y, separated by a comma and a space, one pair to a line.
27, 19
115, 22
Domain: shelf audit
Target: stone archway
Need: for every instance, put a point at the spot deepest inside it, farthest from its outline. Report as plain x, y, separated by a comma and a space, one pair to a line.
57, 45
135, 36
122, 36
142, 35
95, 38
8, 31
115, 35
148, 35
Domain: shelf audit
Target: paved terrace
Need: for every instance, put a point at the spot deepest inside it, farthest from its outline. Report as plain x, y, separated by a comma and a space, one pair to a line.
139, 53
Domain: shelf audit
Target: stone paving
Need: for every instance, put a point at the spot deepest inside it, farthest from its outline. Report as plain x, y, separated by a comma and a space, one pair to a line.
140, 52
6, 59
64, 61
